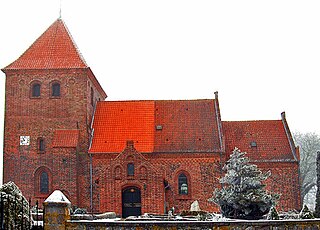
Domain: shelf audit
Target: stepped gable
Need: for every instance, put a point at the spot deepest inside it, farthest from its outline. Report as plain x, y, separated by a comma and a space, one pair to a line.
270, 137
54, 49
167, 126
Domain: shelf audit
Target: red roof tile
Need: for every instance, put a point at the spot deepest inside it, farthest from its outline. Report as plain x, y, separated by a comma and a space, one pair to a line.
65, 138
156, 126
54, 49
117, 122
187, 126
270, 137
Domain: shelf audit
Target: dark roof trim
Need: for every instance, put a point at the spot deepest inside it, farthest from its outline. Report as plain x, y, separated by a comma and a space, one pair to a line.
289, 136
219, 123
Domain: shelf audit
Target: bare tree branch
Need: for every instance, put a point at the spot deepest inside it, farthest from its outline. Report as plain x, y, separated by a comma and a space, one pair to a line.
309, 144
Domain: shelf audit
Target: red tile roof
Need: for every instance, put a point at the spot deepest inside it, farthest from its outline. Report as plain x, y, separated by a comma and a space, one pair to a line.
65, 138
270, 137
156, 126
187, 126
54, 49
117, 122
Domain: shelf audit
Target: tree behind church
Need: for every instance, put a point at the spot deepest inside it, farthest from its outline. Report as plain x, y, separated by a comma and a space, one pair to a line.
243, 195
309, 144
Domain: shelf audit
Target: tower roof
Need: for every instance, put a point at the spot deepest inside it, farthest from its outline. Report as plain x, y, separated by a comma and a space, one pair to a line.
54, 49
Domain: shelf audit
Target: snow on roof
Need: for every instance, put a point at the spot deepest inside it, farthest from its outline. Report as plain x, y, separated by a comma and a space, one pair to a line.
57, 197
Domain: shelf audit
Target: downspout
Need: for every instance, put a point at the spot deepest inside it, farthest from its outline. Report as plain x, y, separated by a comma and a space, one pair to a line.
90, 158
91, 169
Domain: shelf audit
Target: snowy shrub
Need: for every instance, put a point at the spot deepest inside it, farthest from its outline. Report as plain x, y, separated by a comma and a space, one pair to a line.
80, 211
273, 214
289, 215
243, 195
306, 213
15, 206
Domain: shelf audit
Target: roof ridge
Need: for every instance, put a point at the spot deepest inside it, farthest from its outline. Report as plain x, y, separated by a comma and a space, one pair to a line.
158, 100
73, 41
252, 121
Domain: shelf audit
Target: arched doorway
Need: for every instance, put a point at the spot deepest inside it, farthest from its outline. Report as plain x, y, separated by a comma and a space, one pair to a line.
131, 202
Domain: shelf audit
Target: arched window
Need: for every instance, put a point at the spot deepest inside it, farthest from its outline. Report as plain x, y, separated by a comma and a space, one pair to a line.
44, 182
183, 184
55, 89
41, 145
35, 90
130, 169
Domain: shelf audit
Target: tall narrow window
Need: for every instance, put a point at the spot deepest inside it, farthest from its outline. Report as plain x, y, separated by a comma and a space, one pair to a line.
35, 90
183, 184
130, 169
44, 182
41, 144
92, 96
55, 89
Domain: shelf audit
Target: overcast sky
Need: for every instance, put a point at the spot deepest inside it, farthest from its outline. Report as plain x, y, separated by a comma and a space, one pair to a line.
263, 57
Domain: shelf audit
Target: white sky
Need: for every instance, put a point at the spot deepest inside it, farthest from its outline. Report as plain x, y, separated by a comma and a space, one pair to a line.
262, 56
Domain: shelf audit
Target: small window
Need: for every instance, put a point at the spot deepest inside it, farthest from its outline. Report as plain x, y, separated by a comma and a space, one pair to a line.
130, 169
253, 144
55, 89
44, 183
35, 90
41, 144
183, 184
92, 97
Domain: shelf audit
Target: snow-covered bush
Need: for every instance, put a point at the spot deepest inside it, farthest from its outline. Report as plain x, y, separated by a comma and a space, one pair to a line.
306, 213
273, 214
243, 195
15, 206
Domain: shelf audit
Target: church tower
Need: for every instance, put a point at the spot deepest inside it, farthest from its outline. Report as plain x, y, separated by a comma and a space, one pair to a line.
50, 100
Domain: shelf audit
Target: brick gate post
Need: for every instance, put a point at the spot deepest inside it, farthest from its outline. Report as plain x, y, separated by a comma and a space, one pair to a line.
56, 211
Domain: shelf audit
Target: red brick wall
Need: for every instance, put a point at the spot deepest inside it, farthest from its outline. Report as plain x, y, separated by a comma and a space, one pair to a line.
284, 180
110, 178
202, 171
39, 117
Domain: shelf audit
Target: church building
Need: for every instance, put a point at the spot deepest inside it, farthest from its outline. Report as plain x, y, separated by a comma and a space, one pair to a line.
131, 157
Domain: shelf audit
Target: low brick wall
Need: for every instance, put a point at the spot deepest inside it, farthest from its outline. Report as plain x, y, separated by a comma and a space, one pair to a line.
156, 225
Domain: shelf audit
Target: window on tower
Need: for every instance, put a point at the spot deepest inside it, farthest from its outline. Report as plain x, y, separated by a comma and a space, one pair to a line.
35, 90
41, 145
55, 89
44, 182
92, 97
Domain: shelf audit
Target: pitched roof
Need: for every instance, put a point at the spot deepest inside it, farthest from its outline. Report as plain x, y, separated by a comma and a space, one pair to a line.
187, 126
54, 49
65, 138
156, 126
270, 137
117, 122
